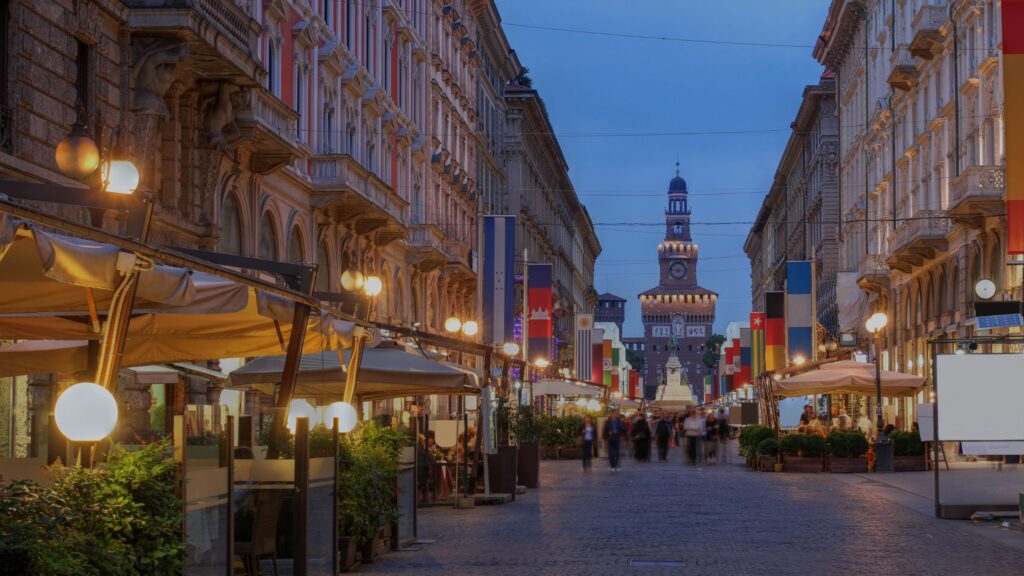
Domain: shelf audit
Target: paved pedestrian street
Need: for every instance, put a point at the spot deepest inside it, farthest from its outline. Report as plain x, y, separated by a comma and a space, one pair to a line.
722, 519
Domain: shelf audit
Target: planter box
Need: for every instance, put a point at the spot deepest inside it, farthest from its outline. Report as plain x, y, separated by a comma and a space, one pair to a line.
802, 464
529, 464
347, 554
766, 463
570, 453
908, 463
848, 465
752, 462
547, 453
503, 470
371, 550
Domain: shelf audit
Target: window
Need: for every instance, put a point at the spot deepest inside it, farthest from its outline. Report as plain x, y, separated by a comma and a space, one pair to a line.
271, 66
348, 23
230, 227
268, 238
295, 255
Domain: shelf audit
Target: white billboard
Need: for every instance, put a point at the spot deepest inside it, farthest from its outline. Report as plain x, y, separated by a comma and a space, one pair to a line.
980, 397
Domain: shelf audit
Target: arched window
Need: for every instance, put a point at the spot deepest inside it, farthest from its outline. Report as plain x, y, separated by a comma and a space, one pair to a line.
677, 228
230, 227
323, 274
268, 238
295, 254
271, 65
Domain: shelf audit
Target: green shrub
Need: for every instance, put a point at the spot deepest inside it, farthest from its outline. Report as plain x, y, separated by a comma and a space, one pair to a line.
907, 443
35, 535
805, 445
847, 443
366, 490
526, 429
752, 436
768, 448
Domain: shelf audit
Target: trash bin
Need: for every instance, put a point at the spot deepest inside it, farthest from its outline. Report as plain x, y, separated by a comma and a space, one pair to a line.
884, 448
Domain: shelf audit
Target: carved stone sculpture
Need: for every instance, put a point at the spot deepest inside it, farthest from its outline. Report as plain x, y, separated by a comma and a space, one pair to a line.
218, 113
153, 73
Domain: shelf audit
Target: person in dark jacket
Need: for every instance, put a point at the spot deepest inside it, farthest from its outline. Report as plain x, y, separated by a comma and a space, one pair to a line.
723, 436
641, 435
613, 432
663, 431
588, 437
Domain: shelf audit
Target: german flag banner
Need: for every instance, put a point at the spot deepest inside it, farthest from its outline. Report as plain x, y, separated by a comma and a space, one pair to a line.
1013, 89
775, 331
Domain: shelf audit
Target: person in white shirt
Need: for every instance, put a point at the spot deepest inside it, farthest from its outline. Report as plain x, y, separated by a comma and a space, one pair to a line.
693, 429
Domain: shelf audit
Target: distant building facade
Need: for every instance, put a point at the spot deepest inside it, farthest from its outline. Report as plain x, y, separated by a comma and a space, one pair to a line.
610, 308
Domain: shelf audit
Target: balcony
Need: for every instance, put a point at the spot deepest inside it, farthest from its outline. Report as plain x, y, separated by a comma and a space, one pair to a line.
222, 37
977, 193
918, 239
873, 274
273, 128
426, 247
904, 72
349, 192
927, 29
460, 262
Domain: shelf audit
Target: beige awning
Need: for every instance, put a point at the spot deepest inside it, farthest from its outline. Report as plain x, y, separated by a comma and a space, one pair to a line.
848, 377
386, 372
49, 283
565, 388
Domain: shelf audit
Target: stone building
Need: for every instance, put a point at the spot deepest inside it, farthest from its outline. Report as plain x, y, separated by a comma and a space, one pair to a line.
610, 308
678, 314
921, 164
799, 217
553, 226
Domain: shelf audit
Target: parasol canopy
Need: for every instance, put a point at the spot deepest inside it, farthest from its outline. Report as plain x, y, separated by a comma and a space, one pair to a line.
565, 388
848, 377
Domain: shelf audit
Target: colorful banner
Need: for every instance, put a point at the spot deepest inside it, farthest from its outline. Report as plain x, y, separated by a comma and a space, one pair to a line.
616, 370
583, 346
774, 331
799, 312
597, 356
744, 356
498, 294
539, 303
606, 377
756, 344
1013, 121
634, 384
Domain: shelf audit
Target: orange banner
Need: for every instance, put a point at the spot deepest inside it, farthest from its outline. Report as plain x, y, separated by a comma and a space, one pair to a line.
1013, 86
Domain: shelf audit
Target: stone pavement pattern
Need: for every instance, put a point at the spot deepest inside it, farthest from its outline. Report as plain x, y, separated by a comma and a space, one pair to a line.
722, 519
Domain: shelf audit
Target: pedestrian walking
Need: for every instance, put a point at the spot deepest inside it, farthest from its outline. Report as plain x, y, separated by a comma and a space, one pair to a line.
693, 430
614, 430
663, 432
723, 436
588, 434
711, 437
641, 435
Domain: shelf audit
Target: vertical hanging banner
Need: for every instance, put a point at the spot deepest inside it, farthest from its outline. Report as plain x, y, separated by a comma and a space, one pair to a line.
756, 344
539, 302
498, 292
1013, 118
606, 364
583, 346
799, 311
774, 331
634, 383
597, 356
744, 357
616, 370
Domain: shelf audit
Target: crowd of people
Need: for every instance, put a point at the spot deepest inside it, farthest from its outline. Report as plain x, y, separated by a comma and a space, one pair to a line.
701, 434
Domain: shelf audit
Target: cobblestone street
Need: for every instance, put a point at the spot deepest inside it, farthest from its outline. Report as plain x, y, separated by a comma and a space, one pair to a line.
722, 519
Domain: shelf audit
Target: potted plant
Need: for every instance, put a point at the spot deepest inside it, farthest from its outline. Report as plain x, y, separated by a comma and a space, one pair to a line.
569, 433
528, 436
847, 449
909, 452
803, 452
750, 438
366, 502
550, 437
767, 453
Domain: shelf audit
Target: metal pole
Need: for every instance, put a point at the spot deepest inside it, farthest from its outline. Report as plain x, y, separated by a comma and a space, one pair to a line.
289, 377
936, 447
878, 391
301, 505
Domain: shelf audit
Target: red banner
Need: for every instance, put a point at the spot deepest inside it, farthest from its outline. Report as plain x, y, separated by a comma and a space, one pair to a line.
539, 301
1013, 121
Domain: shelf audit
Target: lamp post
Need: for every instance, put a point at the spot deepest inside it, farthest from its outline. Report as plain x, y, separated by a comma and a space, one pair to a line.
454, 325
86, 413
883, 448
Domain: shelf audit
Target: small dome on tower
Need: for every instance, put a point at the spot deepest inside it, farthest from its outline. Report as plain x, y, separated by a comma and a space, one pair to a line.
677, 184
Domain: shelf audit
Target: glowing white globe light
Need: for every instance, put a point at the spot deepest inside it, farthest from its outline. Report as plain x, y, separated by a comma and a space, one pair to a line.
581, 402
373, 286
510, 349
300, 409
122, 177
452, 324
470, 328
594, 405
86, 412
345, 413
352, 280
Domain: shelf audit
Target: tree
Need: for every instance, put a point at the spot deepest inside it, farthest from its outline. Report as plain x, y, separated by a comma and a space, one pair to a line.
712, 348
523, 79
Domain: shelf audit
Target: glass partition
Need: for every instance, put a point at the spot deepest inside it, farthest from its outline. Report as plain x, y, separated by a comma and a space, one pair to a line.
320, 515
207, 494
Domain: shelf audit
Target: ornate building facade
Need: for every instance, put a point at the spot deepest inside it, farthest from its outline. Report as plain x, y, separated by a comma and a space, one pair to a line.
799, 217
678, 314
921, 164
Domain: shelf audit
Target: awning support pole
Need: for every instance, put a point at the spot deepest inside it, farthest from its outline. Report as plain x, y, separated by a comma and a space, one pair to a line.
289, 375
353, 367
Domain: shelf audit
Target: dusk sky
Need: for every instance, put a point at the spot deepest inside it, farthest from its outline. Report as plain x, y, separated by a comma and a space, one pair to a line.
615, 102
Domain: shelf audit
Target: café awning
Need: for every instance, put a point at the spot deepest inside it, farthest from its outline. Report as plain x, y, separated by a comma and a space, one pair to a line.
848, 377
565, 388
58, 288
384, 372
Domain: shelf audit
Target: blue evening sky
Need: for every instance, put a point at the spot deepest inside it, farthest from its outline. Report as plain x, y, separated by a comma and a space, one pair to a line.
600, 84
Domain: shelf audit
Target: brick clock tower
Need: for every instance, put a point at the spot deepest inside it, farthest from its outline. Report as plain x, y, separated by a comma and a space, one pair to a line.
678, 313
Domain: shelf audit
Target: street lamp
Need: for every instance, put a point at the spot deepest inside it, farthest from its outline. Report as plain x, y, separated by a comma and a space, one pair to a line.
510, 349
300, 408
86, 413
799, 360
345, 414
541, 363
77, 155
452, 324
373, 286
352, 280
120, 177
470, 328
883, 457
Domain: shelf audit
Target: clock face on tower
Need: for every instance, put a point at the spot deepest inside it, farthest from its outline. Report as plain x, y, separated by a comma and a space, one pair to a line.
678, 269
